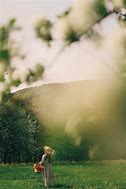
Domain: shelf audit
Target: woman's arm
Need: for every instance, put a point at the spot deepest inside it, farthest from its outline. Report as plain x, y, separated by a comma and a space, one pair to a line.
42, 162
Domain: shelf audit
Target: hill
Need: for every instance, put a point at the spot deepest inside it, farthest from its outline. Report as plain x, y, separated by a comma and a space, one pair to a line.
89, 111
57, 101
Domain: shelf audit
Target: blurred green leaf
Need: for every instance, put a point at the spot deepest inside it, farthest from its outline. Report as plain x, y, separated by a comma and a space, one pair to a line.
11, 23
71, 36
16, 82
4, 55
3, 34
100, 8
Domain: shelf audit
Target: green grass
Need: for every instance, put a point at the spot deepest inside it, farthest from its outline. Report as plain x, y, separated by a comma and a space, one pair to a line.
89, 175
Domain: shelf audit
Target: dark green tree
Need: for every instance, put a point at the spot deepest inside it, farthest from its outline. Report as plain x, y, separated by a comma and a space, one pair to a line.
21, 135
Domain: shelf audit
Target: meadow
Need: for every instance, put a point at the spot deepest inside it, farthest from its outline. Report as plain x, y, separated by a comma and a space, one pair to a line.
82, 175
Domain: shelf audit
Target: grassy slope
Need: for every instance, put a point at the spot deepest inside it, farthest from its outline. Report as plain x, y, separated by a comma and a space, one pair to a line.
90, 175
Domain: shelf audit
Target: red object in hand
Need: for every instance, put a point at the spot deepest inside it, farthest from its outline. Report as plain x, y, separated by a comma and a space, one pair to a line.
38, 168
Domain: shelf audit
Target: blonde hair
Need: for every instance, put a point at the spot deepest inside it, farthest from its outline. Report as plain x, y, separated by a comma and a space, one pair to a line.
48, 150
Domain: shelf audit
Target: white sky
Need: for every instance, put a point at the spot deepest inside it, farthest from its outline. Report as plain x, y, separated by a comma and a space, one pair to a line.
75, 63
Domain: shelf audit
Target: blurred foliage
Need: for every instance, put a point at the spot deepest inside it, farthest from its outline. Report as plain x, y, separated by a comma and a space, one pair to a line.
35, 74
71, 36
9, 50
44, 27
100, 8
43, 30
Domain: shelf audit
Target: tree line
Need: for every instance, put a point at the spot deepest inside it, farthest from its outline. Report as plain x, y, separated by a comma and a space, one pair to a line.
22, 137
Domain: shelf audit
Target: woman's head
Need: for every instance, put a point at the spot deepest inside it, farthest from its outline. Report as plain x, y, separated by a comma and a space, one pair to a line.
48, 150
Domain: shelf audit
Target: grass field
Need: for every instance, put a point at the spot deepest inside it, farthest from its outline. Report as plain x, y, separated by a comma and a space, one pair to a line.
89, 175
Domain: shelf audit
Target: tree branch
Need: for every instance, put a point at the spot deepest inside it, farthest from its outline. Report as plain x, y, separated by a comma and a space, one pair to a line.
52, 62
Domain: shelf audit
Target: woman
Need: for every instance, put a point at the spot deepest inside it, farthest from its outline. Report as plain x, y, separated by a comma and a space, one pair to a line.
46, 162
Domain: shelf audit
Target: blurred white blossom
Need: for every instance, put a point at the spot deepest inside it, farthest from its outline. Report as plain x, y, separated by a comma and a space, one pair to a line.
114, 46
117, 3
82, 15
61, 28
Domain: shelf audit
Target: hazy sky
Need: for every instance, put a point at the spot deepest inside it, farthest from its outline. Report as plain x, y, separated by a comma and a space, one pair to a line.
76, 61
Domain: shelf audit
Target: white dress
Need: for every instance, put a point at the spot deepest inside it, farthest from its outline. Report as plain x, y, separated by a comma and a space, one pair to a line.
47, 172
